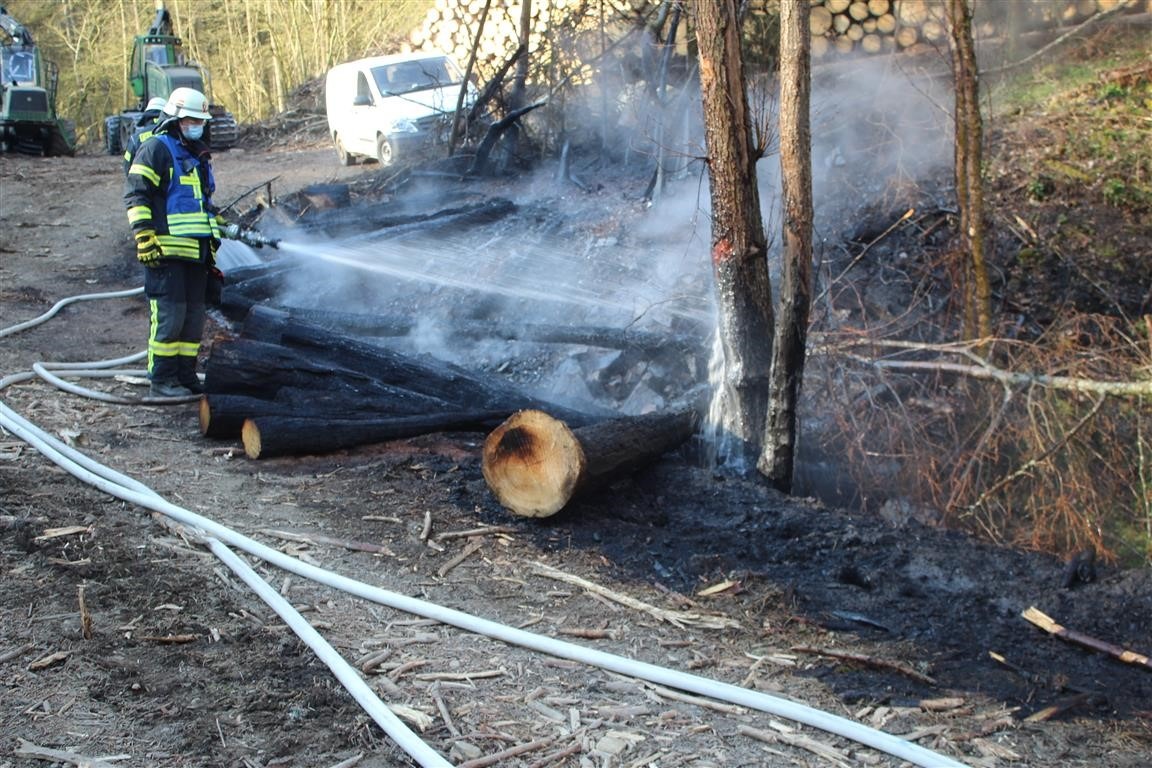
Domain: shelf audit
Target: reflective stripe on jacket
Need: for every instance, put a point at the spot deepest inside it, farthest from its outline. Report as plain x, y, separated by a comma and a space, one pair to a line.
169, 191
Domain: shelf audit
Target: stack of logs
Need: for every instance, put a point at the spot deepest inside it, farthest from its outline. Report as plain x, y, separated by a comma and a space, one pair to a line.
876, 26
837, 26
286, 386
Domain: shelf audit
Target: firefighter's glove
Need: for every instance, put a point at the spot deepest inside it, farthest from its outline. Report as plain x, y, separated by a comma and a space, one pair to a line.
147, 247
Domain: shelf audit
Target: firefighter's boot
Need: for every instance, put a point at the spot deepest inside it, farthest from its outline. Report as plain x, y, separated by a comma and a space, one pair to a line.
165, 379
186, 374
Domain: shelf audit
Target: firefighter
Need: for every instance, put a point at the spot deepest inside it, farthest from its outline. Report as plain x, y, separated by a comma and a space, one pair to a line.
168, 194
145, 126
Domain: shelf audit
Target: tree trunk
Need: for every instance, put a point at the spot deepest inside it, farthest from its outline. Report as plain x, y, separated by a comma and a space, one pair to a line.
457, 126
778, 457
969, 159
739, 247
534, 464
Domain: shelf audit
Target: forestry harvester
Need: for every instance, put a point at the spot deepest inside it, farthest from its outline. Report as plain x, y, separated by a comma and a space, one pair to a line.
28, 121
158, 67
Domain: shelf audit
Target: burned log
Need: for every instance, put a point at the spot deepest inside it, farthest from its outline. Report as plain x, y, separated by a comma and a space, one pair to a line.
534, 463
324, 348
223, 415
268, 323
384, 218
267, 436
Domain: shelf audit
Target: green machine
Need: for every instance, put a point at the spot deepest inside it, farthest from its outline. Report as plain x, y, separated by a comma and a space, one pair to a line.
158, 66
28, 120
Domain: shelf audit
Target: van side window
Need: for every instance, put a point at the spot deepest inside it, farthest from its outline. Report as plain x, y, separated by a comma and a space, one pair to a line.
363, 95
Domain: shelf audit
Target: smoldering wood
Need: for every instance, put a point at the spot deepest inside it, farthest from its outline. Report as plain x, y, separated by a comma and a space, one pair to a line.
268, 436
267, 322
480, 162
222, 415
535, 464
325, 349
388, 217
259, 369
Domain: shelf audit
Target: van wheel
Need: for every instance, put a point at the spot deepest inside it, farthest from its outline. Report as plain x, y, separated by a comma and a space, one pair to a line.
384, 150
342, 154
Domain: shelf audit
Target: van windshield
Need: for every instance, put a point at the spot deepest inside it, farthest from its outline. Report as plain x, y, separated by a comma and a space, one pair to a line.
408, 76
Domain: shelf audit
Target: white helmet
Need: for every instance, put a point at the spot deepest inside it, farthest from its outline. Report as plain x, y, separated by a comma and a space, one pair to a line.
155, 104
187, 102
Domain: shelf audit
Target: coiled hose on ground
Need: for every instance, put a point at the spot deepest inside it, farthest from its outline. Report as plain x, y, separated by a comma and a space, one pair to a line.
219, 538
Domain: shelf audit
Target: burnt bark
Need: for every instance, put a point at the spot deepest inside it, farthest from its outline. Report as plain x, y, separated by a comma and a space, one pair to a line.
222, 415
535, 464
739, 246
777, 459
268, 436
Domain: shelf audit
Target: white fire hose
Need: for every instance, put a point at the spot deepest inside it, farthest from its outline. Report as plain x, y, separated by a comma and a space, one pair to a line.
218, 536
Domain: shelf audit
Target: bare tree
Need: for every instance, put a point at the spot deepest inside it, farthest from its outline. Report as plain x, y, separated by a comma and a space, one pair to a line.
739, 246
969, 160
778, 456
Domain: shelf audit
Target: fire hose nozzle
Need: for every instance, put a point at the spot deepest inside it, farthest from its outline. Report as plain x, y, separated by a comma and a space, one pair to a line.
249, 236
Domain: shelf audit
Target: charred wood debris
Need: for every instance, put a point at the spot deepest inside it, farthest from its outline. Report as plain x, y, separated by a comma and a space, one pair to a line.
292, 379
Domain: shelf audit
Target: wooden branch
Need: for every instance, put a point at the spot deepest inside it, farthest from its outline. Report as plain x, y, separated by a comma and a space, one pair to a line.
980, 368
472, 547
818, 748
675, 618
869, 661
319, 538
1046, 623
28, 749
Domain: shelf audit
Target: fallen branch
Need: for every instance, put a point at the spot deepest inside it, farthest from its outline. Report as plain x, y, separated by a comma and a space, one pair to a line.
319, 538
469, 550
980, 368
870, 661
821, 749
1046, 623
675, 618
500, 757
28, 749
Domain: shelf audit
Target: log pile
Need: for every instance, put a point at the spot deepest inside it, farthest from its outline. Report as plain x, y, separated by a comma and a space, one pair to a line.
285, 386
837, 26
876, 26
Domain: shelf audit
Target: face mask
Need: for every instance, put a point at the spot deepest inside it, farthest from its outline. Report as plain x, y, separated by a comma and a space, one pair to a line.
192, 131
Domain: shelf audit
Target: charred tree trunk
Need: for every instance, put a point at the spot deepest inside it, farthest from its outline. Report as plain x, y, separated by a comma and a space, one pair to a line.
534, 464
739, 246
480, 163
778, 457
969, 159
268, 436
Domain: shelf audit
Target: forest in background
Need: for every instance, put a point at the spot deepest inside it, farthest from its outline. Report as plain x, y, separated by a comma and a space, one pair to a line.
255, 51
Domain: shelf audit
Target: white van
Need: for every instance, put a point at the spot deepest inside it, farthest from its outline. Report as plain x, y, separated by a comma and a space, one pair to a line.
384, 107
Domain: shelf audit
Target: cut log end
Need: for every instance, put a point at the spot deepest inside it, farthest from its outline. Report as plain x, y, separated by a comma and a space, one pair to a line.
205, 416
250, 436
533, 464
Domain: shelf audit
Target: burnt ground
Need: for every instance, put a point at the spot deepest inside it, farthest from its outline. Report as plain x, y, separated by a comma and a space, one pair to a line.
173, 662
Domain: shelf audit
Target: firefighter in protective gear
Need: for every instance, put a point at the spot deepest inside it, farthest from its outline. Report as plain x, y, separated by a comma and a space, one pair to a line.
168, 194
145, 126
